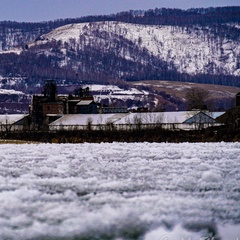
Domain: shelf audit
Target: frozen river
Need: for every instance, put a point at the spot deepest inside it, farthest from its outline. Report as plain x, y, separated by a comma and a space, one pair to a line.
148, 191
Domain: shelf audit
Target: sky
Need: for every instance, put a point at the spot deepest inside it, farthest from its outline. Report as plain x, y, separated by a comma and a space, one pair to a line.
45, 10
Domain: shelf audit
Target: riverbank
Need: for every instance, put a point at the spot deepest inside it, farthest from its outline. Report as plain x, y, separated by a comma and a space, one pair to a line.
135, 135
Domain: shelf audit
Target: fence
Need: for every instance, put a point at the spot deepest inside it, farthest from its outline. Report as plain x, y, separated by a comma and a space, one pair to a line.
110, 126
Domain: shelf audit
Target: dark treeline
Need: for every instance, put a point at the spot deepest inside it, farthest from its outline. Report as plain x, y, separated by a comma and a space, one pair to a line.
137, 135
158, 16
178, 17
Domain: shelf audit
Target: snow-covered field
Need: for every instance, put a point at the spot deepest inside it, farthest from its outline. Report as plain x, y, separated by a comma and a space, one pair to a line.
149, 191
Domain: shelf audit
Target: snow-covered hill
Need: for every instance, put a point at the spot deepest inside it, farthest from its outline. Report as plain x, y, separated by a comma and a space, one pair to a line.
188, 50
194, 45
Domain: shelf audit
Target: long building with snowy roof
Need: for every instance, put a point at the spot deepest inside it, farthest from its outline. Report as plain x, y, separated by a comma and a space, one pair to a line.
169, 120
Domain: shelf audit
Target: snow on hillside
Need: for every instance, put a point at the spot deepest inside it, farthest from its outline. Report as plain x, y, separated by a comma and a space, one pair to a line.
190, 52
10, 91
148, 191
14, 50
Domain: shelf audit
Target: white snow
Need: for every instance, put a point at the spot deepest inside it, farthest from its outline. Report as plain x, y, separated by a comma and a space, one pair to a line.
146, 191
189, 50
14, 50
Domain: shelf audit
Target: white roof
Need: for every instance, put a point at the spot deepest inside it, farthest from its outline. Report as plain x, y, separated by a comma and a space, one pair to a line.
85, 102
214, 115
11, 118
126, 118
83, 119
154, 117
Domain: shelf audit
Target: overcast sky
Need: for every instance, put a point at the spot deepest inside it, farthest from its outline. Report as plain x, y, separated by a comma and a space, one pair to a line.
44, 10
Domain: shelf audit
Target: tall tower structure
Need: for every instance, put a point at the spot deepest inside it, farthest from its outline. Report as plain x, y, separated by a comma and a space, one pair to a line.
50, 90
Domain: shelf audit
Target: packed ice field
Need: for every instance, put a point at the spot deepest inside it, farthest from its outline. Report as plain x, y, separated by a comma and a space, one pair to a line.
148, 191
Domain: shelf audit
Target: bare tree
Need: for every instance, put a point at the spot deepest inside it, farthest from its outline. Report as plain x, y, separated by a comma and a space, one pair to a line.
137, 120
196, 98
89, 124
6, 127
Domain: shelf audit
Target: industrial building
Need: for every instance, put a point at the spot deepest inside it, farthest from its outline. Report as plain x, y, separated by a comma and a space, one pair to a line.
49, 106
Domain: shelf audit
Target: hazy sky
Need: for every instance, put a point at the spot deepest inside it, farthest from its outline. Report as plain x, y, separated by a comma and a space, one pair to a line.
44, 10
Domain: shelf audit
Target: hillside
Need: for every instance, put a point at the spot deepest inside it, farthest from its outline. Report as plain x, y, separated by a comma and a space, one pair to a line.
172, 95
182, 49
199, 45
195, 45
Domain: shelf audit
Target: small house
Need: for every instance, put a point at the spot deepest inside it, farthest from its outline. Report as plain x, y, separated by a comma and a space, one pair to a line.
87, 107
14, 122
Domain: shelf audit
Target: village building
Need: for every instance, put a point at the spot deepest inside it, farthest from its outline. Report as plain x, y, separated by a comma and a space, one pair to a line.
14, 122
50, 106
86, 106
